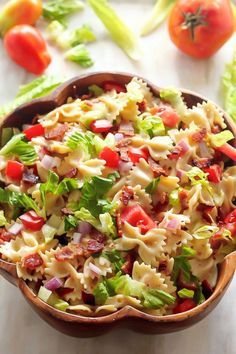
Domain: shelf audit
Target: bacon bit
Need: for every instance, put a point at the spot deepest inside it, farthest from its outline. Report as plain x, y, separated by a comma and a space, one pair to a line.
207, 289
126, 128
124, 154
182, 283
78, 250
72, 173
163, 199
206, 211
32, 261
156, 168
163, 266
67, 211
127, 267
88, 299
127, 195
64, 254
86, 96
96, 235
142, 106
5, 236
216, 129
94, 246
199, 136
119, 225
123, 143
61, 292
176, 153
56, 133
218, 240
202, 163
183, 197
30, 177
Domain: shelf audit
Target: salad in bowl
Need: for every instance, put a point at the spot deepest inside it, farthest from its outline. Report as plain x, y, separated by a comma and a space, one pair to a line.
119, 198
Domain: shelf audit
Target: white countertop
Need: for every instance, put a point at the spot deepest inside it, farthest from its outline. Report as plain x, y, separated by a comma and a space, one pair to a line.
21, 330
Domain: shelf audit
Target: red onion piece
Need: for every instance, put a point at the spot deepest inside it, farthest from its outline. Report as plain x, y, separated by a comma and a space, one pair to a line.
119, 136
95, 269
76, 237
53, 284
16, 228
125, 166
184, 146
48, 162
84, 227
173, 224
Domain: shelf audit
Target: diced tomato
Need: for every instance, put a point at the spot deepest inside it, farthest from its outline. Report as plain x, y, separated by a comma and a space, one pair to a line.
101, 126
184, 305
231, 217
169, 116
214, 173
135, 154
111, 157
228, 150
35, 130
14, 170
112, 85
32, 261
136, 216
32, 221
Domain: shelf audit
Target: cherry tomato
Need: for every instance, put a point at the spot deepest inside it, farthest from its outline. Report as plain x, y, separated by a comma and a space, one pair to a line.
111, 157
214, 173
136, 216
26, 46
199, 27
14, 170
35, 130
184, 305
228, 150
32, 221
135, 154
112, 85
169, 117
101, 126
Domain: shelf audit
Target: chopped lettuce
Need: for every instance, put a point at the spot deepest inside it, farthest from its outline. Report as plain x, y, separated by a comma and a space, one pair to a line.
37, 88
229, 87
70, 222
186, 293
83, 34
150, 125
205, 232
100, 293
44, 294
80, 55
159, 13
60, 9
119, 31
174, 97
83, 141
107, 225
48, 232
152, 186
115, 258
48, 186
100, 143
174, 198
3, 220
85, 215
221, 138
197, 176
67, 185
16, 199
52, 299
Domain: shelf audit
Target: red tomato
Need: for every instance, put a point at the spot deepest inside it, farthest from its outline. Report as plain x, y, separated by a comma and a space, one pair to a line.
169, 117
199, 27
32, 221
26, 46
35, 130
214, 173
231, 217
14, 170
228, 150
111, 157
136, 216
135, 154
112, 85
101, 126
184, 305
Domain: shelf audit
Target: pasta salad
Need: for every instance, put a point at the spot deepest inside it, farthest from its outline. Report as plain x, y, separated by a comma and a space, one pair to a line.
119, 198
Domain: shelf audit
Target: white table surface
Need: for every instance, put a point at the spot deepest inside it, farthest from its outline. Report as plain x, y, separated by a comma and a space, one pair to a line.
21, 330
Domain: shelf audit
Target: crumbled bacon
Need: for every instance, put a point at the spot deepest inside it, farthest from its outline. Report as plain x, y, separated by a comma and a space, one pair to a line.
72, 173
96, 235
216, 129
123, 143
142, 106
127, 267
67, 211
202, 163
183, 197
119, 225
127, 194
64, 254
163, 198
163, 266
175, 153
5, 236
182, 283
94, 246
199, 136
126, 128
156, 168
88, 299
86, 96
56, 133
32, 261
78, 250
218, 240
61, 292
124, 154
206, 211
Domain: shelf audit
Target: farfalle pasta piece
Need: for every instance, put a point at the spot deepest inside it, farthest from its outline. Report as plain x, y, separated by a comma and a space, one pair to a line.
141, 174
205, 269
149, 276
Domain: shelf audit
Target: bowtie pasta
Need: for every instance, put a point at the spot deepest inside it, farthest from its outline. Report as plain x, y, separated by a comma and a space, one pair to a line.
119, 198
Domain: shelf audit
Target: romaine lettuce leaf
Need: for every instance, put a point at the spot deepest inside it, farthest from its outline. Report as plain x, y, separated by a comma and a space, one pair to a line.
150, 125
174, 97
217, 140
16, 199
60, 9
205, 232
107, 225
80, 55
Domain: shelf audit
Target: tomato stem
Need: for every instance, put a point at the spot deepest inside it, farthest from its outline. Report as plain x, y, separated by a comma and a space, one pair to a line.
193, 20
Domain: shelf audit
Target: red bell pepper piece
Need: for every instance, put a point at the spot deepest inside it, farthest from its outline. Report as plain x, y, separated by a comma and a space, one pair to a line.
184, 305
14, 170
135, 154
101, 126
35, 130
112, 85
32, 221
214, 173
228, 150
111, 157
136, 216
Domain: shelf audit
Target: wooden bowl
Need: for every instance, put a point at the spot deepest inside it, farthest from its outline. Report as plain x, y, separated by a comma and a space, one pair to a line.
129, 317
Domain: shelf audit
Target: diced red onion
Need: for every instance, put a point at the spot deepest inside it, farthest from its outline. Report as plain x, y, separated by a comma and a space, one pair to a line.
184, 146
95, 269
16, 228
76, 237
26, 126
84, 227
173, 224
53, 284
125, 166
48, 162
119, 136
